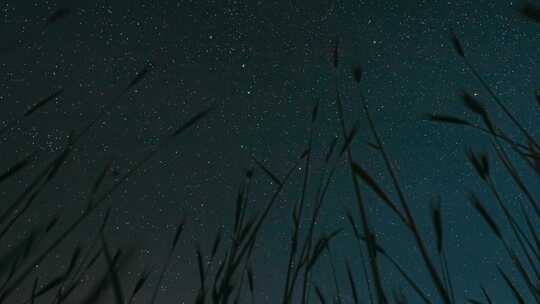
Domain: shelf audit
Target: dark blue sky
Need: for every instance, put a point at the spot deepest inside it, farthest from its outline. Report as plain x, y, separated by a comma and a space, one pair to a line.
263, 65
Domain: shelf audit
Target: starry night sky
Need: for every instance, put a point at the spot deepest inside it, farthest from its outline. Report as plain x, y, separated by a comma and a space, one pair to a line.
263, 65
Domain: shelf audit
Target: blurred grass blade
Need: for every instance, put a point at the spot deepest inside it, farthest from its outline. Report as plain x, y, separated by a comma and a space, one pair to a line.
192, 121
437, 224
320, 295
530, 11
331, 148
447, 119
268, 172
43, 102
18, 166
357, 73
349, 138
360, 172
352, 283
457, 45
484, 214
513, 288
141, 280
117, 287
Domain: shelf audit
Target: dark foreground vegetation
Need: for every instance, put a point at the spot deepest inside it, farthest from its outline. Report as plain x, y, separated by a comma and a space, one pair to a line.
225, 269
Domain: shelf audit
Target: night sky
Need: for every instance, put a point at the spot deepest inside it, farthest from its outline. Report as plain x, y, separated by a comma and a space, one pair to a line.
262, 66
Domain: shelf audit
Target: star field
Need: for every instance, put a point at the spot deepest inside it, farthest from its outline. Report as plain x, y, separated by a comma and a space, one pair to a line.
262, 66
